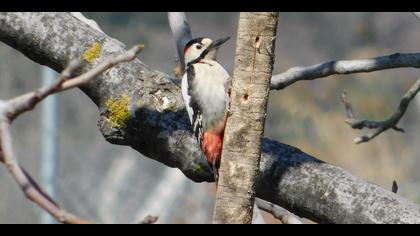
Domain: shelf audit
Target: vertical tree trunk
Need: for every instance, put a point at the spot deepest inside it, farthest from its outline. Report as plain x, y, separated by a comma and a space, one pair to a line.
245, 124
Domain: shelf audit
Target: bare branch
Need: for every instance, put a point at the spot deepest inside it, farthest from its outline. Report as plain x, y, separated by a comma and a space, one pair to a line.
158, 127
32, 192
103, 66
26, 102
322, 70
90, 22
380, 126
181, 32
282, 214
417, 14
257, 217
11, 109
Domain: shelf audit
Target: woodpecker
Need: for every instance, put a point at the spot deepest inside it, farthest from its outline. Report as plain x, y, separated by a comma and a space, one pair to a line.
205, 90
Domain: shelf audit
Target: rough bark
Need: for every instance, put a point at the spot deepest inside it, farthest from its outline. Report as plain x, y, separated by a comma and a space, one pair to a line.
239, 166
157, 126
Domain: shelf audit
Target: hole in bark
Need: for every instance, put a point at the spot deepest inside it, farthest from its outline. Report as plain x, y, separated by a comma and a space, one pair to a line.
257, 39
245, 97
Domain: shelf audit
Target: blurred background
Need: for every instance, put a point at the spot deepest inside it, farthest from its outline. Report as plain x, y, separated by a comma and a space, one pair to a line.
113, 184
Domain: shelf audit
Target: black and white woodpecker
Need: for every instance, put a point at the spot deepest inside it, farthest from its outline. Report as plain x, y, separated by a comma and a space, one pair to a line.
205, 90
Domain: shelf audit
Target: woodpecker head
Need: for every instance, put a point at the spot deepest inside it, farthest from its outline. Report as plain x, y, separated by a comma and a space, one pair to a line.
202, 48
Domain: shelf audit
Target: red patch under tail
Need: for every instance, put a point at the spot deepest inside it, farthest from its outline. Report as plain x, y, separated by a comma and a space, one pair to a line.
212, 146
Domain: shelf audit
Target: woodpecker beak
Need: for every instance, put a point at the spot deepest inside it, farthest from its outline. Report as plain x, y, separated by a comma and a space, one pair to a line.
216, 44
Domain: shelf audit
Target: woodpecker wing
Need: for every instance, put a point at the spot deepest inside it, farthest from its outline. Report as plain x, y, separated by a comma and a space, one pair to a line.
191, 104
187, 96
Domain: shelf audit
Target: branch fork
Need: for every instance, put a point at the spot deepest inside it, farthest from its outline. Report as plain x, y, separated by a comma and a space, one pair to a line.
11, 109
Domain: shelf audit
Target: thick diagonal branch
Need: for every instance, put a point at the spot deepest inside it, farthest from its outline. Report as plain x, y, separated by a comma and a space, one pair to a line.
380, 126
157, 126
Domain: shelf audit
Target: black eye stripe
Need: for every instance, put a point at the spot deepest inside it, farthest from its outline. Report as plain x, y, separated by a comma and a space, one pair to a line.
196, 40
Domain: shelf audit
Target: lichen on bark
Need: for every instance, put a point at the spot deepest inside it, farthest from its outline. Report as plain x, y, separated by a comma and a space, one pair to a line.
118, 111
92, 52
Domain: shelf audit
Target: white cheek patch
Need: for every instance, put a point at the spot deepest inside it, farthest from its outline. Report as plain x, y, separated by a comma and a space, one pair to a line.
191, 53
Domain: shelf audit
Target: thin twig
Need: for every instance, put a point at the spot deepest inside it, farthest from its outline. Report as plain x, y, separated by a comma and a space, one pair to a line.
322, 70
380, 126
283, 215
105, 65
11, 109
36, 194
26, 102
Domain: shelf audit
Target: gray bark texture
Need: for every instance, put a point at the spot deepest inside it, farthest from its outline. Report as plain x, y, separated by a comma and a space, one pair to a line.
244, 131
143, 108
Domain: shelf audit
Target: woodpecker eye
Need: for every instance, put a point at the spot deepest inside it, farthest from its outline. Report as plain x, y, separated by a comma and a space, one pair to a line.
198, 46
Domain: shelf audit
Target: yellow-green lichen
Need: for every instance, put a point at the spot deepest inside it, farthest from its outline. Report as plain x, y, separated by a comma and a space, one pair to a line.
118, 111
92, 53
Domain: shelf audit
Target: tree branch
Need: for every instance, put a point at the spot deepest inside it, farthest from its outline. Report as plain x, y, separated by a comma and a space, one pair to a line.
283, 215
82, 18
31, 190
239, 167
322, 70
154, 122
181, 32
11, 109
380, 126
417, 14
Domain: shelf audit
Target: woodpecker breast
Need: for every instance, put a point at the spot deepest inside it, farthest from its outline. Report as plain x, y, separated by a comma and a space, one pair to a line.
209, 89
205, 94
